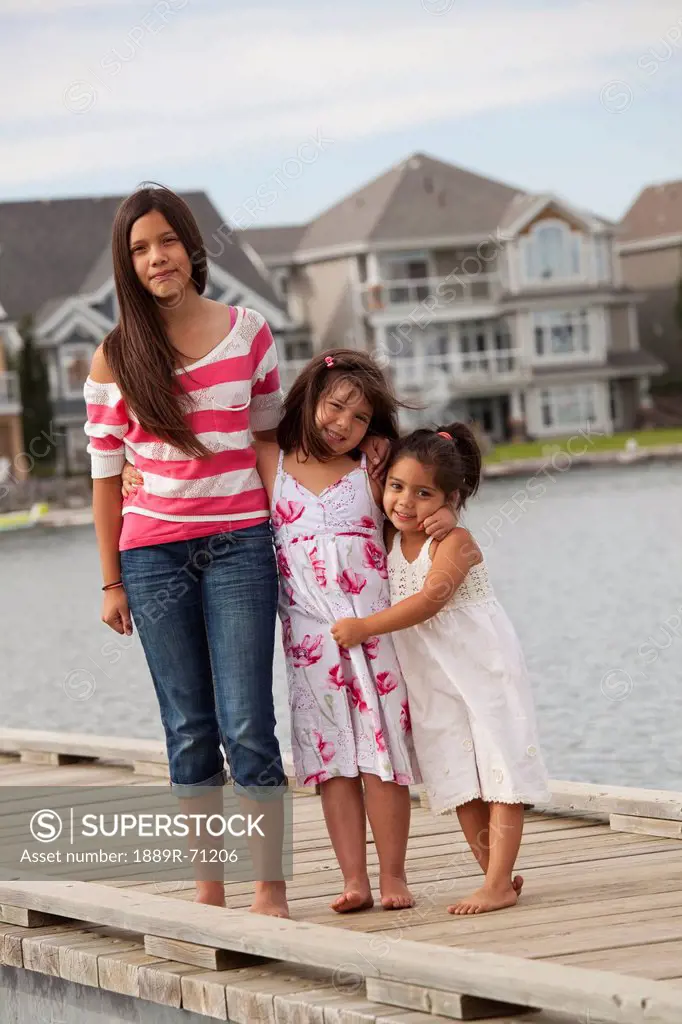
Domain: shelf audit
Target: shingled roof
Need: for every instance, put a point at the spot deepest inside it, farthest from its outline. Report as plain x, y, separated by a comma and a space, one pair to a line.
274, 243
52, 248
656, 211
419, 198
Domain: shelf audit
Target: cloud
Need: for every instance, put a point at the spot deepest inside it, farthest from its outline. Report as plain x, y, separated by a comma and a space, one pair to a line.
193, 84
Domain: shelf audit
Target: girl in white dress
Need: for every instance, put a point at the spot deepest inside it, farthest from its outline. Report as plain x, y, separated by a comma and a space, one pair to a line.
473, 719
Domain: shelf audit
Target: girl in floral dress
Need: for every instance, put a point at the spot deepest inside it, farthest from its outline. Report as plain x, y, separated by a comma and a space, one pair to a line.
350, 722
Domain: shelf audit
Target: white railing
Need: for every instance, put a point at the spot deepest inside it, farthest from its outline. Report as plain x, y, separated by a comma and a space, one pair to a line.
9, 390
389, 295
457, 371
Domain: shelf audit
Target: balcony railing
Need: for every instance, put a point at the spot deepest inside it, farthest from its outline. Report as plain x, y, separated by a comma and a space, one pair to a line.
458, 371
391, 295
10, 400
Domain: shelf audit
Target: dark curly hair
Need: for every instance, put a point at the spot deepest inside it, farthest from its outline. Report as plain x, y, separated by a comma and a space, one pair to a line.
456, 459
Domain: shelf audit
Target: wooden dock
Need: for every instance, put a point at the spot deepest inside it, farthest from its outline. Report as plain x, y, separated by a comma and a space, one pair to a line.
597, 934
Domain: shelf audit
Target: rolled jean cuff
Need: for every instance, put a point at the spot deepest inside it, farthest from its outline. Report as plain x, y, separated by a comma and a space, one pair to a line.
261, 793
192, 789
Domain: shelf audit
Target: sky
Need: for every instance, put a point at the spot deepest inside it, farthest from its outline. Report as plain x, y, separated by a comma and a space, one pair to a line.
305, 101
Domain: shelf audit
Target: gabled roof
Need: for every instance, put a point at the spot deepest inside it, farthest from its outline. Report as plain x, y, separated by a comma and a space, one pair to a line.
274, 243
419, 198
56, 247
656, 211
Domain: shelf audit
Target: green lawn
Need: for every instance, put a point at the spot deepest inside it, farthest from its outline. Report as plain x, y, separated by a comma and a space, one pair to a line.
597, 443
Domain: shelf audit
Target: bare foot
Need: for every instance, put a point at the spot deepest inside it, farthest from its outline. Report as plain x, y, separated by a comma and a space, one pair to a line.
210, 893
394, 893
356, 895
486, 899
517, 884
270, 899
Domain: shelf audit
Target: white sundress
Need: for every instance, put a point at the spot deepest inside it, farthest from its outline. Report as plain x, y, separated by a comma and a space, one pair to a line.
349, 710
471, 704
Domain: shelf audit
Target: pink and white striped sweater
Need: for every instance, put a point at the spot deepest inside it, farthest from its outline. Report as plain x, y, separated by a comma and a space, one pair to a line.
232, 391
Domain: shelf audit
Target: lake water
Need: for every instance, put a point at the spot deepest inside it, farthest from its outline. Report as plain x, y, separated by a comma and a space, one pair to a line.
590, 572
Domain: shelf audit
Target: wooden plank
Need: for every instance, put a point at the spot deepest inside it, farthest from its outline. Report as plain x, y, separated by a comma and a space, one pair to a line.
661, 960
307, 1007
535, 914
152, 769
586, 796
208, 957
11, 936
664, 827
26, 918
161, 983
358, 1009
447, 1004
45, 757
564, 941
82, 744
493, 976
80, 962
252, 1001
205, 993
120, 972
42, 954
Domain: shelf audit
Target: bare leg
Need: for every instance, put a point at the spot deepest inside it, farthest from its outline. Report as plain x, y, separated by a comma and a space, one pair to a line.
344, 812
388, 810
498, 891
210, 887
270, 897
474, 817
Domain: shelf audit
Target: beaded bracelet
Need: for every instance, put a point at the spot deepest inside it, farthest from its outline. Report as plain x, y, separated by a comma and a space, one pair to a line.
112, 586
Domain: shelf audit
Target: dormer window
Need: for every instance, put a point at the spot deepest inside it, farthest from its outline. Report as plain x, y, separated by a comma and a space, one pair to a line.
552, 252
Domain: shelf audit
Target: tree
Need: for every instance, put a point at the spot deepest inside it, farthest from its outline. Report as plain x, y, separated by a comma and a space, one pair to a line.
35, 397
678, 305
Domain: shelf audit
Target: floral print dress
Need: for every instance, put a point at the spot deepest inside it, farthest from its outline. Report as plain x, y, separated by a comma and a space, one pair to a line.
349, 711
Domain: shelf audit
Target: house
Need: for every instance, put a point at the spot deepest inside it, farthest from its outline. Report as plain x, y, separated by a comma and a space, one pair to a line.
57, 267
484, 302
12, 466
650, 251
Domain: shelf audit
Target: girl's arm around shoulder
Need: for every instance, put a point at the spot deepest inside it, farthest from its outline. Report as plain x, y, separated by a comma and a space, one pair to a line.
267, 458
452, 560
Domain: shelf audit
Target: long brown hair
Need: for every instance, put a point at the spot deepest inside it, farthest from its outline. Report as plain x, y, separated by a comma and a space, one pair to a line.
138, 350
297, 430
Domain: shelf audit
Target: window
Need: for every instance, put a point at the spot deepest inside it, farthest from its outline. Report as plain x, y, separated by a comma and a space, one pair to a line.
107, 307
602, 258
75, 358
76, 450
280, 282
403, 268
297, 350
616, 402
560, 334
568, 406
552, 251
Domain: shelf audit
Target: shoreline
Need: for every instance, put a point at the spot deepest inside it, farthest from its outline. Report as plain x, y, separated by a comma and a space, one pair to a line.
560, 460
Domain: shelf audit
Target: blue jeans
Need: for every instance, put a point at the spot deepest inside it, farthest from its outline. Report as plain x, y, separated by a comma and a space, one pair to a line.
205, 611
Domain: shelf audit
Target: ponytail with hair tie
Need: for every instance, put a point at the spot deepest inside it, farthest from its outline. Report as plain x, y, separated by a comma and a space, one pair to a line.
457, 467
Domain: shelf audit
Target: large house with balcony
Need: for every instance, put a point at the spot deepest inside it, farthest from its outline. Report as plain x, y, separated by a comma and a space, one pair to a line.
12, 466
56, 267
485, 303
650, 251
